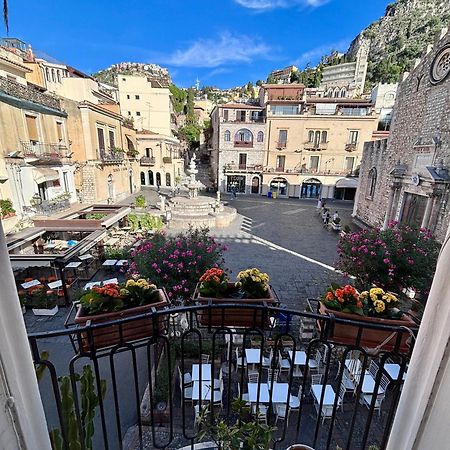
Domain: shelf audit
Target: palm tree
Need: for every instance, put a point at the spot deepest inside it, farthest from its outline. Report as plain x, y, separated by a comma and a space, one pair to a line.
5, 15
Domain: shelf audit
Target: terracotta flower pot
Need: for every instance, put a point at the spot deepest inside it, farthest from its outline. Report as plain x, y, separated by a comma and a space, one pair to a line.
131, 331
235, 317
370, 338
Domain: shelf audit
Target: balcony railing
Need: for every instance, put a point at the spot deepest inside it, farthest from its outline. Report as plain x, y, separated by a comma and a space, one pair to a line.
45, 151
147, 161
252, 120
297, 343
243, 144
110, 157
315, 146
281, 144
351, 147
243, 168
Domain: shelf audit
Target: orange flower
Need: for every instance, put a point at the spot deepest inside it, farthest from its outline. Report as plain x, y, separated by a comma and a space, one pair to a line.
330, 296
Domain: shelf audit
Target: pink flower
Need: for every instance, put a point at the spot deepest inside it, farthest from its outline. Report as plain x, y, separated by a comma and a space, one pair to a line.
386, 260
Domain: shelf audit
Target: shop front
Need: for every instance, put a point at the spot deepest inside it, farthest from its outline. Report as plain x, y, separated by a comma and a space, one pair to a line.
279, 185
311, 188
236, 183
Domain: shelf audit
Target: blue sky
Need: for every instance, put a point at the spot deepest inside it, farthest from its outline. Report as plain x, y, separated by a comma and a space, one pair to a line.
222, 42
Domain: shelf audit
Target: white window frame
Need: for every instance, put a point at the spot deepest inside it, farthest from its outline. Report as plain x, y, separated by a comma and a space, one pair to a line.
318, 162
349, 140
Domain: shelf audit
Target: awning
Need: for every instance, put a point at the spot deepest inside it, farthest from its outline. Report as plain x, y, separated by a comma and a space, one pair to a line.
42, 175
3, 179
347, 183
325, 108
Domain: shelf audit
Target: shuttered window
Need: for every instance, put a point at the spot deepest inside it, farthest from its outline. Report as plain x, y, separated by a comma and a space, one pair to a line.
33, 134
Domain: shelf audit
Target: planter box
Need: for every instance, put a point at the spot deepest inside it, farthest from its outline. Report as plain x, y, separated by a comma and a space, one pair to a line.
45, 311
370, 338
130, 331
235, 317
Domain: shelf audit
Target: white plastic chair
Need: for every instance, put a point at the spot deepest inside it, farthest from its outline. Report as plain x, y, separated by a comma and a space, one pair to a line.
272, 373
253, 377
314, 364
282, 412
260, 413
366, 400
186, 392
187, 378
267, 362
217, 381
245, 396
241, 361
205, 358
295, 400
284, 364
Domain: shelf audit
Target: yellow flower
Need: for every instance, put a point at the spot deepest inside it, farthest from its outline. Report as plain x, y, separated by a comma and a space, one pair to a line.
364, 295
376, 291
124, 292
379, 306
130, 283
152, 286
373, 297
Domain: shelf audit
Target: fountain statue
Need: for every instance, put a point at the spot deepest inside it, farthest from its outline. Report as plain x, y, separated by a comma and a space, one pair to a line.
196, 210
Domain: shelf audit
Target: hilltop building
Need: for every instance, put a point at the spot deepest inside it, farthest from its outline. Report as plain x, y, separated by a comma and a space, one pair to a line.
283, 76
346, 79
406, 177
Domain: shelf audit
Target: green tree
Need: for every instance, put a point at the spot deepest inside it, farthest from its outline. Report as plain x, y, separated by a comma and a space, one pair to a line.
259, 83
179, 98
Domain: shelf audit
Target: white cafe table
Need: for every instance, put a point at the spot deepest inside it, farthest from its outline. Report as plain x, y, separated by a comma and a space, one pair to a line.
122, 262
85, 257
368, 385
73, 264
300, 357
329, 396
353, 366
205, 370
55, 284
92, 284
110, 262
30, 284
205, 389
393, 370
253, 392
280, 392
253, 355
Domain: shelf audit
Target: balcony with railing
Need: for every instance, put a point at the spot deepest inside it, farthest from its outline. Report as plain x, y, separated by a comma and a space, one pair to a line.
45, 151
256, 168
147, 161
315, 146
281, 144
351, 147
243, 144
110, 156
288, 365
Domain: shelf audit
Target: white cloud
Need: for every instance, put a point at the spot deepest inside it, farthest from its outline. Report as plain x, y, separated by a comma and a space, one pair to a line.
226, 48
313, 56
265, 5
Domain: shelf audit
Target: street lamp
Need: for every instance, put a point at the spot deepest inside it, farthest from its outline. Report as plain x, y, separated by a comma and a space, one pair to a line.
37, 199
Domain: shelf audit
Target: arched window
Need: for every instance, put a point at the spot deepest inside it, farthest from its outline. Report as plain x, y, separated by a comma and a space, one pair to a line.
151, 180
324, 136
168, 179
260, 136
58, 74
143, 178
317, 138
244, 135
311, 136
336, 93
343, 92
158, 179
227, 136
330, 93
47, 74
53, 76
372, 183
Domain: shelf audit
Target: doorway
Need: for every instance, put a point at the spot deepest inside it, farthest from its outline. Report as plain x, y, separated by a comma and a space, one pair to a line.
255, 185
413, 209
311, 188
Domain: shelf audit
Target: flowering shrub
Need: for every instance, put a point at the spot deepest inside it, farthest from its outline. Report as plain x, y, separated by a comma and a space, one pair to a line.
113, 297
253, 282
392, 259
40, 297
380, 303
176, 262
214, 283
345, 299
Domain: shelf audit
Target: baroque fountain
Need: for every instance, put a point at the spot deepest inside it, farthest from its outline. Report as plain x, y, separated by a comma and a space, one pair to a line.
196, 210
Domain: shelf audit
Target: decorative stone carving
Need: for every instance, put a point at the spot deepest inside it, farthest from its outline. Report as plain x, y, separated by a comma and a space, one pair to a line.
440, 68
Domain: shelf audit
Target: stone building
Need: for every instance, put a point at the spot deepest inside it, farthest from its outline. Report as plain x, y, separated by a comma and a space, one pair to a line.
36, 164
405, 178
238, 147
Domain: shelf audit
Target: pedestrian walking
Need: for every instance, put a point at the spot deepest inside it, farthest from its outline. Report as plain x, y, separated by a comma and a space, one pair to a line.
234, 193
326, 221
335, 216
319, 203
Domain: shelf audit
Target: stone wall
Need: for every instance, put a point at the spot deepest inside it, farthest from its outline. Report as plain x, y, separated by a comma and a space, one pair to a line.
420, 131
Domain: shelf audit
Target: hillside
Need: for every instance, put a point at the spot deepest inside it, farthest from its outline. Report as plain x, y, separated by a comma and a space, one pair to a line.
401, 36
396, 40
109, 75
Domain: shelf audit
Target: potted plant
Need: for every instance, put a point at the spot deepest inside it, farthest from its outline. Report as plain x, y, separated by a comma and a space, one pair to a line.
140, 201
6, 209
251, 288
42, 301
374, 306
246, 433
113, 302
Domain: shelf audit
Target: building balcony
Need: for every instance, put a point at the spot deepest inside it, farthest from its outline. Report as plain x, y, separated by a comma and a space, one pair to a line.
110, 156
175, 340
281, 144
351, 147
255, 120
315, 146
44, 151
167, 160
243, 144
147, 161
256, 168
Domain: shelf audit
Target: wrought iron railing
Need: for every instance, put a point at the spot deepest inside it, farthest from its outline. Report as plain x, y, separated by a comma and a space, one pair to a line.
44, 150
176, 340
147, 161
110, 156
